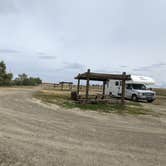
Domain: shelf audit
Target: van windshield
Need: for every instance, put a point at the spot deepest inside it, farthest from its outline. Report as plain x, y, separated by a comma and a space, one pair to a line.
139, 86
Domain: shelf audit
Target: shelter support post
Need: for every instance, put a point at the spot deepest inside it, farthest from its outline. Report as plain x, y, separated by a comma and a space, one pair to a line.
78, 87
70, 87
123, 87
62, 86
104, 83
87, 85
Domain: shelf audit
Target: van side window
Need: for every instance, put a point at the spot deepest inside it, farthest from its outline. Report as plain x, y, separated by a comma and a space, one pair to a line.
117, 83
129, 86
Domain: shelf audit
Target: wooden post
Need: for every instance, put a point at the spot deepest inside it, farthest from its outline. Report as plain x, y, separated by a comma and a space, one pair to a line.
123, 87
71, 87
62, 86
87, 85
104, 83
78, 87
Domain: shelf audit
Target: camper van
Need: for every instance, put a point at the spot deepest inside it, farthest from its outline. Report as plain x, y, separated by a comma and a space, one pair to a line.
136, 88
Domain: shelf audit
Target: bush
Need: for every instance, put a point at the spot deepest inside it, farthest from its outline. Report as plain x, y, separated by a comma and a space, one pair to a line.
24, 80
5, 78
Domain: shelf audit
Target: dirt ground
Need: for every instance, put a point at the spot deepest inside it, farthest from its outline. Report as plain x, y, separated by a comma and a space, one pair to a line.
35, 134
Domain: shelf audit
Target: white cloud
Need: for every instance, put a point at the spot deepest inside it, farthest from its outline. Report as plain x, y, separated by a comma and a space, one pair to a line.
157, 71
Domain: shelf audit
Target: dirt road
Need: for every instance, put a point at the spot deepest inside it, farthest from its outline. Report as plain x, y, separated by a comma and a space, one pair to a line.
35, 134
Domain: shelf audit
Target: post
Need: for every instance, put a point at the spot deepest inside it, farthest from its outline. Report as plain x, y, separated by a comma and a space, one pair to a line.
104, 83
123, 86
87, 85
62, 86
78, 87
71, 87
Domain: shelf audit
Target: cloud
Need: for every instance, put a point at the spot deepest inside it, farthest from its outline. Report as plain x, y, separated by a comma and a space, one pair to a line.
7, 6
123, 66
46, 57
156, 71
41, 53
74, 66
150, 67
9, 51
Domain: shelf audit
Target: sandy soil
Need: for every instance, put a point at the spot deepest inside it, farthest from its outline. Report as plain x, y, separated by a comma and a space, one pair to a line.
35, 134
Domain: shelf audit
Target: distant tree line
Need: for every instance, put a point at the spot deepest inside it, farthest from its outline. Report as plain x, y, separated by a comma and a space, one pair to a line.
23, 79
6, 79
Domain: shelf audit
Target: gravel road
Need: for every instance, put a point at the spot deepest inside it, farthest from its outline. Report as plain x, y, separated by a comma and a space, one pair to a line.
34, 134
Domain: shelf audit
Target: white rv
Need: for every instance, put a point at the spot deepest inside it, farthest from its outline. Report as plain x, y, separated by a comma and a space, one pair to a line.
136, 88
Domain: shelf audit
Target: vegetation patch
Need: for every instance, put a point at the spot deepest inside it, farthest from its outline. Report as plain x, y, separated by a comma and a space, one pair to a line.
63, 100
160, 92
161, 100
6, 79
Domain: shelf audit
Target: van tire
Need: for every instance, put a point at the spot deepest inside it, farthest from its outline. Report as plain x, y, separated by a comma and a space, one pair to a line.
150, 101
134, 98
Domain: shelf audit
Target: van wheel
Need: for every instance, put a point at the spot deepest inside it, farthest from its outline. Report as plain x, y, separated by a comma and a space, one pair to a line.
134, 98
150, 101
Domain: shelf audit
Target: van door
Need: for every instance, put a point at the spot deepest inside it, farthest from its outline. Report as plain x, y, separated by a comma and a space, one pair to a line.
129, 91
117, 89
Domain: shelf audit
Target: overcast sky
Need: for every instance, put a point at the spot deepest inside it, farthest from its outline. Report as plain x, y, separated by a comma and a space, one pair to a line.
56, 39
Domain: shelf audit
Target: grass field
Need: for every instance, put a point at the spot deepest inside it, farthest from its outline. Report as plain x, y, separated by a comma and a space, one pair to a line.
62, 98
161, 97
160, 92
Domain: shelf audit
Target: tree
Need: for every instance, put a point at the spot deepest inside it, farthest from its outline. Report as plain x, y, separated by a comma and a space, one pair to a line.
23, 76
5, 78
23, 79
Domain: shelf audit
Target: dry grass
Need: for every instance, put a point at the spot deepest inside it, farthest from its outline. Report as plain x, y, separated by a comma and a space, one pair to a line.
62, 98
160, 92
161, 100
161, 97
